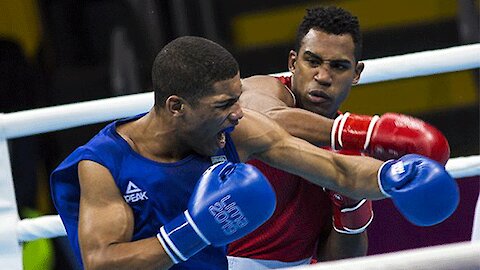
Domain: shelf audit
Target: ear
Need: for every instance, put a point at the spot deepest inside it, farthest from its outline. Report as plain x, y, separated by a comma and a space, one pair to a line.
175, 105
358, 71
292, 58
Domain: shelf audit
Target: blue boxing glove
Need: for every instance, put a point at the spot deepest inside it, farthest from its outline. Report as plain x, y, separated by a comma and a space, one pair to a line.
421, 189
228, 202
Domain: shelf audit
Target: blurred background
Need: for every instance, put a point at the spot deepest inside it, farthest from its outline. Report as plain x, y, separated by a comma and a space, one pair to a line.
64, 51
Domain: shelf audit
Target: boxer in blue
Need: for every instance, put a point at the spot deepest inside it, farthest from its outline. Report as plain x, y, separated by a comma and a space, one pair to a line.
166, 189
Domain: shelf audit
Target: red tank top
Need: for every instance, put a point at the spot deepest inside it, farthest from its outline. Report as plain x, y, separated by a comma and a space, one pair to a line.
302, 215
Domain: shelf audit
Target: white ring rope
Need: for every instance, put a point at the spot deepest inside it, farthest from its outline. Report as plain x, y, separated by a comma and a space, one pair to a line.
31, 122
464, 256
36, 121
25, 123
461, 167
50, 226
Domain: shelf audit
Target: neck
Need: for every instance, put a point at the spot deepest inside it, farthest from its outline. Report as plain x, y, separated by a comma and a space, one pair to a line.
154, 137
293, 96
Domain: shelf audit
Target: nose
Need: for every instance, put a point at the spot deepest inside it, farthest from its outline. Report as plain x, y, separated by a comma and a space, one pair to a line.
323, 73
236, 113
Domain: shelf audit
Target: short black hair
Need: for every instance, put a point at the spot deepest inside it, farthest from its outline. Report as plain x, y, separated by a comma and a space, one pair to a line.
331, 20
188, 67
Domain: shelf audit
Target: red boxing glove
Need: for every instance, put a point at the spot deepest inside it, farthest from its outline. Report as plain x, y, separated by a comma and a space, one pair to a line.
390, 136
350, 216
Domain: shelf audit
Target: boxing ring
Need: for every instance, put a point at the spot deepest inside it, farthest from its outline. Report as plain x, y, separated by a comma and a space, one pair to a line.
13, 231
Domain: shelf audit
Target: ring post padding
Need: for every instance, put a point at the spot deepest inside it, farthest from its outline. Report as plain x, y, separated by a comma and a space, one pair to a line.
10, 250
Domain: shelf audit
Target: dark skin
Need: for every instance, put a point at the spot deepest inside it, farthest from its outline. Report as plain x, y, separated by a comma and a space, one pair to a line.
170, 133
323, 72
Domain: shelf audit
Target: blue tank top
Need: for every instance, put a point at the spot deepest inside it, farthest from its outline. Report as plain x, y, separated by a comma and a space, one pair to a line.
156, 192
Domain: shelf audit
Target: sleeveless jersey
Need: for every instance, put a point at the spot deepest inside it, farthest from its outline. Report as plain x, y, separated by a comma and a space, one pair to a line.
302, 216
156, 192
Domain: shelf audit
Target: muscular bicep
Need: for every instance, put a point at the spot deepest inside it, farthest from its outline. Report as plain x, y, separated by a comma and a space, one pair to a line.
104, 217
106, 225
255, 134
268, 95
264, 93
261, 102
303, 124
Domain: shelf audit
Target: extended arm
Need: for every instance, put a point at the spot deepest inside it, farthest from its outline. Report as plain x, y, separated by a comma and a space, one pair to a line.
258, 137
106, 226
268, 95
414, 182
388, 136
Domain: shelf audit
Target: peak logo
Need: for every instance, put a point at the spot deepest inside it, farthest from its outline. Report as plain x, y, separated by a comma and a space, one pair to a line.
134, 194
218, 159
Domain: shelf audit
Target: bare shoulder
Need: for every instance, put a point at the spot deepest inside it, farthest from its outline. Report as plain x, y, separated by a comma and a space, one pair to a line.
255, 133
262, 81
104, 216
97, 182
263, 89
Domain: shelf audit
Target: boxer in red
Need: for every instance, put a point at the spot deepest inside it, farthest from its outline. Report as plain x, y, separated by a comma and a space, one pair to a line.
310, 221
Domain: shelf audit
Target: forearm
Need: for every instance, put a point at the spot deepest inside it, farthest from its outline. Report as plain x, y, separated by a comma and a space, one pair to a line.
142, 254
341, 246
358, 175
303, 124
258, 137
355, 177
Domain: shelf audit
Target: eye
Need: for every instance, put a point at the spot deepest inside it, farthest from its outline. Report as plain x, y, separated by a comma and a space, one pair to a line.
314, 62
339, 66
226, 105
221, 106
